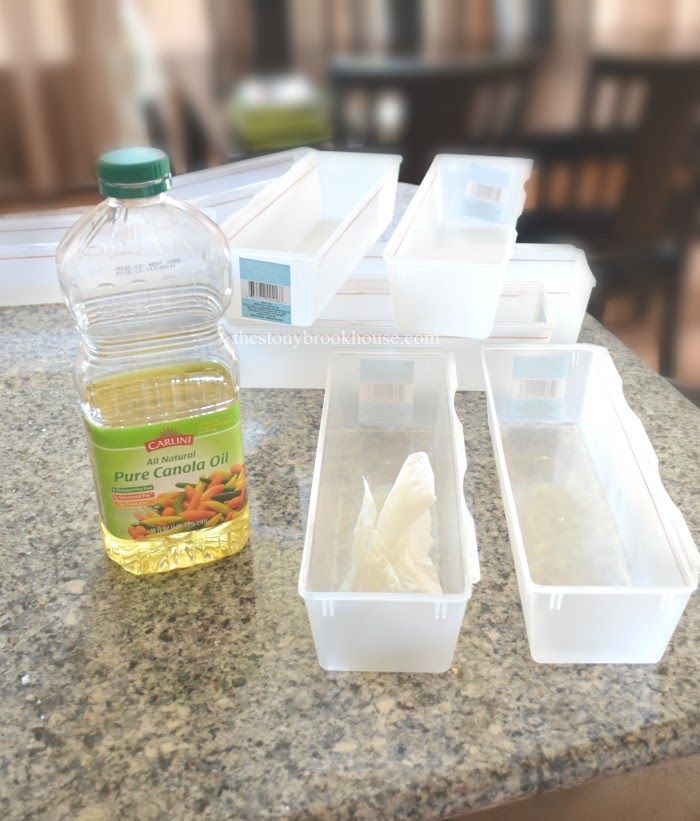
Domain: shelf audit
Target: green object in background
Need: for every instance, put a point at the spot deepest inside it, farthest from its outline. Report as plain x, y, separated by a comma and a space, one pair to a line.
274, 113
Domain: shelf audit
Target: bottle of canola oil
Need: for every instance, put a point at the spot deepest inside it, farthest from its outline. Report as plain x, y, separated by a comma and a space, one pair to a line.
147, 279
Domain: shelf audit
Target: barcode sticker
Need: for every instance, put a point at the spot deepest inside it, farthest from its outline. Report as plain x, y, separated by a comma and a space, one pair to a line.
385, 391
486, 192
265, 290
538, 389
483, 191
539, 386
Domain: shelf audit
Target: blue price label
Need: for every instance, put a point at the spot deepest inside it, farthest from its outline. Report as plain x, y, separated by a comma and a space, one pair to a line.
266, 291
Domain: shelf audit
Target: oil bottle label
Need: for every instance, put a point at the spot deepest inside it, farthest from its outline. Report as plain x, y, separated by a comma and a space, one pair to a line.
169, 477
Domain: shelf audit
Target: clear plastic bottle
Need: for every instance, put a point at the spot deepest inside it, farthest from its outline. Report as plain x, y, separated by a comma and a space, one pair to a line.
148, 279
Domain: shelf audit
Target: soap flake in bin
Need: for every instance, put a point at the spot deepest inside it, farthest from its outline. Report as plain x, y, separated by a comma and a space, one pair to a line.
391, 551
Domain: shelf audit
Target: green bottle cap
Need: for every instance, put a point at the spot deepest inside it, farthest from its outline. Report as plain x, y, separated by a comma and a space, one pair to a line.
127, 173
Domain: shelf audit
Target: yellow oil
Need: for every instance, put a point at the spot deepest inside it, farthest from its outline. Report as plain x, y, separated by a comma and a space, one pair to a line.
162, 394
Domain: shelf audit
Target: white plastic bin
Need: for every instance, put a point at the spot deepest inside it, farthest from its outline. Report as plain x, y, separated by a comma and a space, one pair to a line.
222, 191
27, 256
28, 241
296, 242
522, 313
276, 357
604, 560
379, 407
563, 272
447, 257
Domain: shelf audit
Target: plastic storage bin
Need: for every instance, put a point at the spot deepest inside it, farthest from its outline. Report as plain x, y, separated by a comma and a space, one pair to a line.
604, 560
27, 256
271, 357
379, 407
522, 313
297, 241
562, 270
447, 257
28, 242
223, 191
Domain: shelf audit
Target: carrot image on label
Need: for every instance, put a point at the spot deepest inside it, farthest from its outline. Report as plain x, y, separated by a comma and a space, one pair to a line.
207, 502
219, 507
213, 491
237, 503
195, 515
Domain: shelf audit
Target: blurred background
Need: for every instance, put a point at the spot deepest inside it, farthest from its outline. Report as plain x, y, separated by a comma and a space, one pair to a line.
605, 95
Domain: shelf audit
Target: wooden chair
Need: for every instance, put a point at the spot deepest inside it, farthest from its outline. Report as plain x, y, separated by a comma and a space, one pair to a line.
474, 101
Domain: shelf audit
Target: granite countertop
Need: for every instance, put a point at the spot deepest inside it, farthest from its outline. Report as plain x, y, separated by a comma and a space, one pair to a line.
198, 692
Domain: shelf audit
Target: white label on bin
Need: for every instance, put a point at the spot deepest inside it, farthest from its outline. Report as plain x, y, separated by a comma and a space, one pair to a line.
539, 386
385, 392
266, 290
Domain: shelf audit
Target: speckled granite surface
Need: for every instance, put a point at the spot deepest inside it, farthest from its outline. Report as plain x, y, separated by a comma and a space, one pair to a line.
198, 693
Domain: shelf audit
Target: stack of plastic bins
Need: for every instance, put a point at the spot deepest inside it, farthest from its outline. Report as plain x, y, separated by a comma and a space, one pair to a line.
604, 560
296, 242
522, 312
448, 254
296, 358
379, 407
562, 270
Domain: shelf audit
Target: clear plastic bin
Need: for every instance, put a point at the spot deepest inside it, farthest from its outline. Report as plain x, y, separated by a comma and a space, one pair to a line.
27, 256
28, 242
297, 241
448, 255
522, 313
604, 560
271, 357
563, 272
223, 191
379, 407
